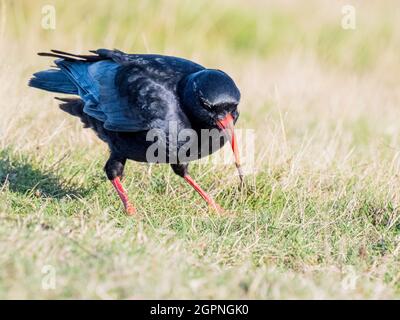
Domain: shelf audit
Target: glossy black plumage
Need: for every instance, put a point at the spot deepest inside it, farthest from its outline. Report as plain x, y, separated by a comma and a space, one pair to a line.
123, 96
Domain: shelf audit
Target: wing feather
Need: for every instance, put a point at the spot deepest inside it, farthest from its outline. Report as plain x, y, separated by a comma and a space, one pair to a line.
128, 92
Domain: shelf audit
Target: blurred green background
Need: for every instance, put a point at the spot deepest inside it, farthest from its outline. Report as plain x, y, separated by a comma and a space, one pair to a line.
233, 30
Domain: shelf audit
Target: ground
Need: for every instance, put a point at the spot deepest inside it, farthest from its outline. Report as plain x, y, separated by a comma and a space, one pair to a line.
318, 216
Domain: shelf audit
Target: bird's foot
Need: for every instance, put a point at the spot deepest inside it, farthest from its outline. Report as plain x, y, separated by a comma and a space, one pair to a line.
130, 209
217, 208
211, 203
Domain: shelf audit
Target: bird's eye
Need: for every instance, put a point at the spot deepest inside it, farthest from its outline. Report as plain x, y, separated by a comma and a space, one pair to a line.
205, 103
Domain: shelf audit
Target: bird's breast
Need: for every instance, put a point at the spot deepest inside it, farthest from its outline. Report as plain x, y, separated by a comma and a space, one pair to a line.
174, 145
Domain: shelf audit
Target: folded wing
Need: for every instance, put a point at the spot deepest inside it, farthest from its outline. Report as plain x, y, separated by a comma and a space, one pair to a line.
129, 93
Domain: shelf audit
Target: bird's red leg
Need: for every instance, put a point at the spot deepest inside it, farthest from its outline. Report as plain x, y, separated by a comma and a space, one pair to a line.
130, 209
203, 194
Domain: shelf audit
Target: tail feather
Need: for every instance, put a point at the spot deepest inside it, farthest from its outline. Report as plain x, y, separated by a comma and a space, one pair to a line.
53, 80
74, 106
71, 56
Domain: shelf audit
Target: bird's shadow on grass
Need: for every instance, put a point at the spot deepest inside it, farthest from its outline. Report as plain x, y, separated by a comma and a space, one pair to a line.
23, 176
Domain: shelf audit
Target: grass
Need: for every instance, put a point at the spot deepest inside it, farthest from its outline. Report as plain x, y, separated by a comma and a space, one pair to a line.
319, 216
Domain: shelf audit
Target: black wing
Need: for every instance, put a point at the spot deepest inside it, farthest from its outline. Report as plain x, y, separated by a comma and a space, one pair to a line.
128, 92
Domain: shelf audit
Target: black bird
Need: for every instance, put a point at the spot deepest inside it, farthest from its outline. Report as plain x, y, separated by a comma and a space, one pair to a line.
123, 97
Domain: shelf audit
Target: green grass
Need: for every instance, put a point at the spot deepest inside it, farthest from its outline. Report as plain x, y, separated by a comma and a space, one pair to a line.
319, 216
276, 244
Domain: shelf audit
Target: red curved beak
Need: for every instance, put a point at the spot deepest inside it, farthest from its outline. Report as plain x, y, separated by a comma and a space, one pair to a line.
227, 127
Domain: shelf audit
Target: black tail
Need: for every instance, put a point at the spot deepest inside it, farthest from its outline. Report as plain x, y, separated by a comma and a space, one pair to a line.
74, 107
71, 56
53, 80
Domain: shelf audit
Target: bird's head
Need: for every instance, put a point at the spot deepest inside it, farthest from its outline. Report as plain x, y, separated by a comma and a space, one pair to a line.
211, 98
